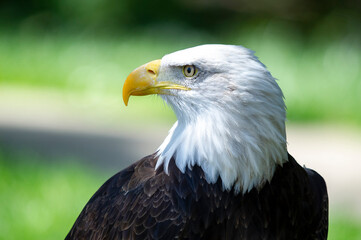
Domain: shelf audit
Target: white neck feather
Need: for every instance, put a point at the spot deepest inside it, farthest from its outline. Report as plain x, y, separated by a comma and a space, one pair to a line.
243, 153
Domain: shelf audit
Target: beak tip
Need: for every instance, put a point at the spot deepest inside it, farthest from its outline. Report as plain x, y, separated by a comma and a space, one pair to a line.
126, 95
125, 100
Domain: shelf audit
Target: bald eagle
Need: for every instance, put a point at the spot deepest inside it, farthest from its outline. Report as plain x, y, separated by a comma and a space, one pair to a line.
223, 172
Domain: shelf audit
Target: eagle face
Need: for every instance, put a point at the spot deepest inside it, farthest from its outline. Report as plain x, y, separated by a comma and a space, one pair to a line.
206, 73
224, 75
230, 111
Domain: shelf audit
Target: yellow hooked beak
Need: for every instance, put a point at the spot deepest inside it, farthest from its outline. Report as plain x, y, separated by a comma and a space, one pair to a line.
143, 81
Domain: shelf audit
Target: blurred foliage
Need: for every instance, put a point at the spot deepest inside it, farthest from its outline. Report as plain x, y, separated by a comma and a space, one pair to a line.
41, 200
312, 47
320, 75
343, 227
112, 15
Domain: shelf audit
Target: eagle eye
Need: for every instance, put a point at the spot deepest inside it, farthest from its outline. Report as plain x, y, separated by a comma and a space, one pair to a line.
189, 70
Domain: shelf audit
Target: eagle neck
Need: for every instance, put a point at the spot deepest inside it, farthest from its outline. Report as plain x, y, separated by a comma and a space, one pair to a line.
233, 149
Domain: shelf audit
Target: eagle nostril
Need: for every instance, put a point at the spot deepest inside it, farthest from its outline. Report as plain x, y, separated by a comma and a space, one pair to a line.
151, 71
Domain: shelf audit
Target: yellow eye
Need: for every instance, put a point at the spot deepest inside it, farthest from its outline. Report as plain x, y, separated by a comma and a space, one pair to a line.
189, 70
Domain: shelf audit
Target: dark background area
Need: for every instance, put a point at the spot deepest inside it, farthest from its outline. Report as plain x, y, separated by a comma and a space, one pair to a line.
215, 16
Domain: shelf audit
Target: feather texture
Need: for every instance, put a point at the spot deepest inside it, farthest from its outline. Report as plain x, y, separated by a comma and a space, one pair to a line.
141, 203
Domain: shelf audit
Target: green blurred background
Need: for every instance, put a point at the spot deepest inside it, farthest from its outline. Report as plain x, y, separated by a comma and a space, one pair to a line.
63, 63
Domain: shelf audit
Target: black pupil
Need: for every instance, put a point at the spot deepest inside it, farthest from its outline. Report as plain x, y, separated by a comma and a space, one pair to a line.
189, 70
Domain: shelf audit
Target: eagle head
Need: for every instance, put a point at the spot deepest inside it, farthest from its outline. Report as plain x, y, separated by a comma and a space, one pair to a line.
230, 111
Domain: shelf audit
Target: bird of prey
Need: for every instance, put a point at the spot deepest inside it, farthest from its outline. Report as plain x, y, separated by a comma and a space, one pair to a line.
223, 172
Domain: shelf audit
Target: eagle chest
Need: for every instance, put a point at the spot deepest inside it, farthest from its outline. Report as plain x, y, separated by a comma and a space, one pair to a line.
213, 213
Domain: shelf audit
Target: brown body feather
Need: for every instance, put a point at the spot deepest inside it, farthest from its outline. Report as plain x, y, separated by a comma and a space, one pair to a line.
141, 203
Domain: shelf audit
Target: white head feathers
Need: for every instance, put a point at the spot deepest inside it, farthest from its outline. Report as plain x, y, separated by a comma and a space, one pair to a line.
232, 121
